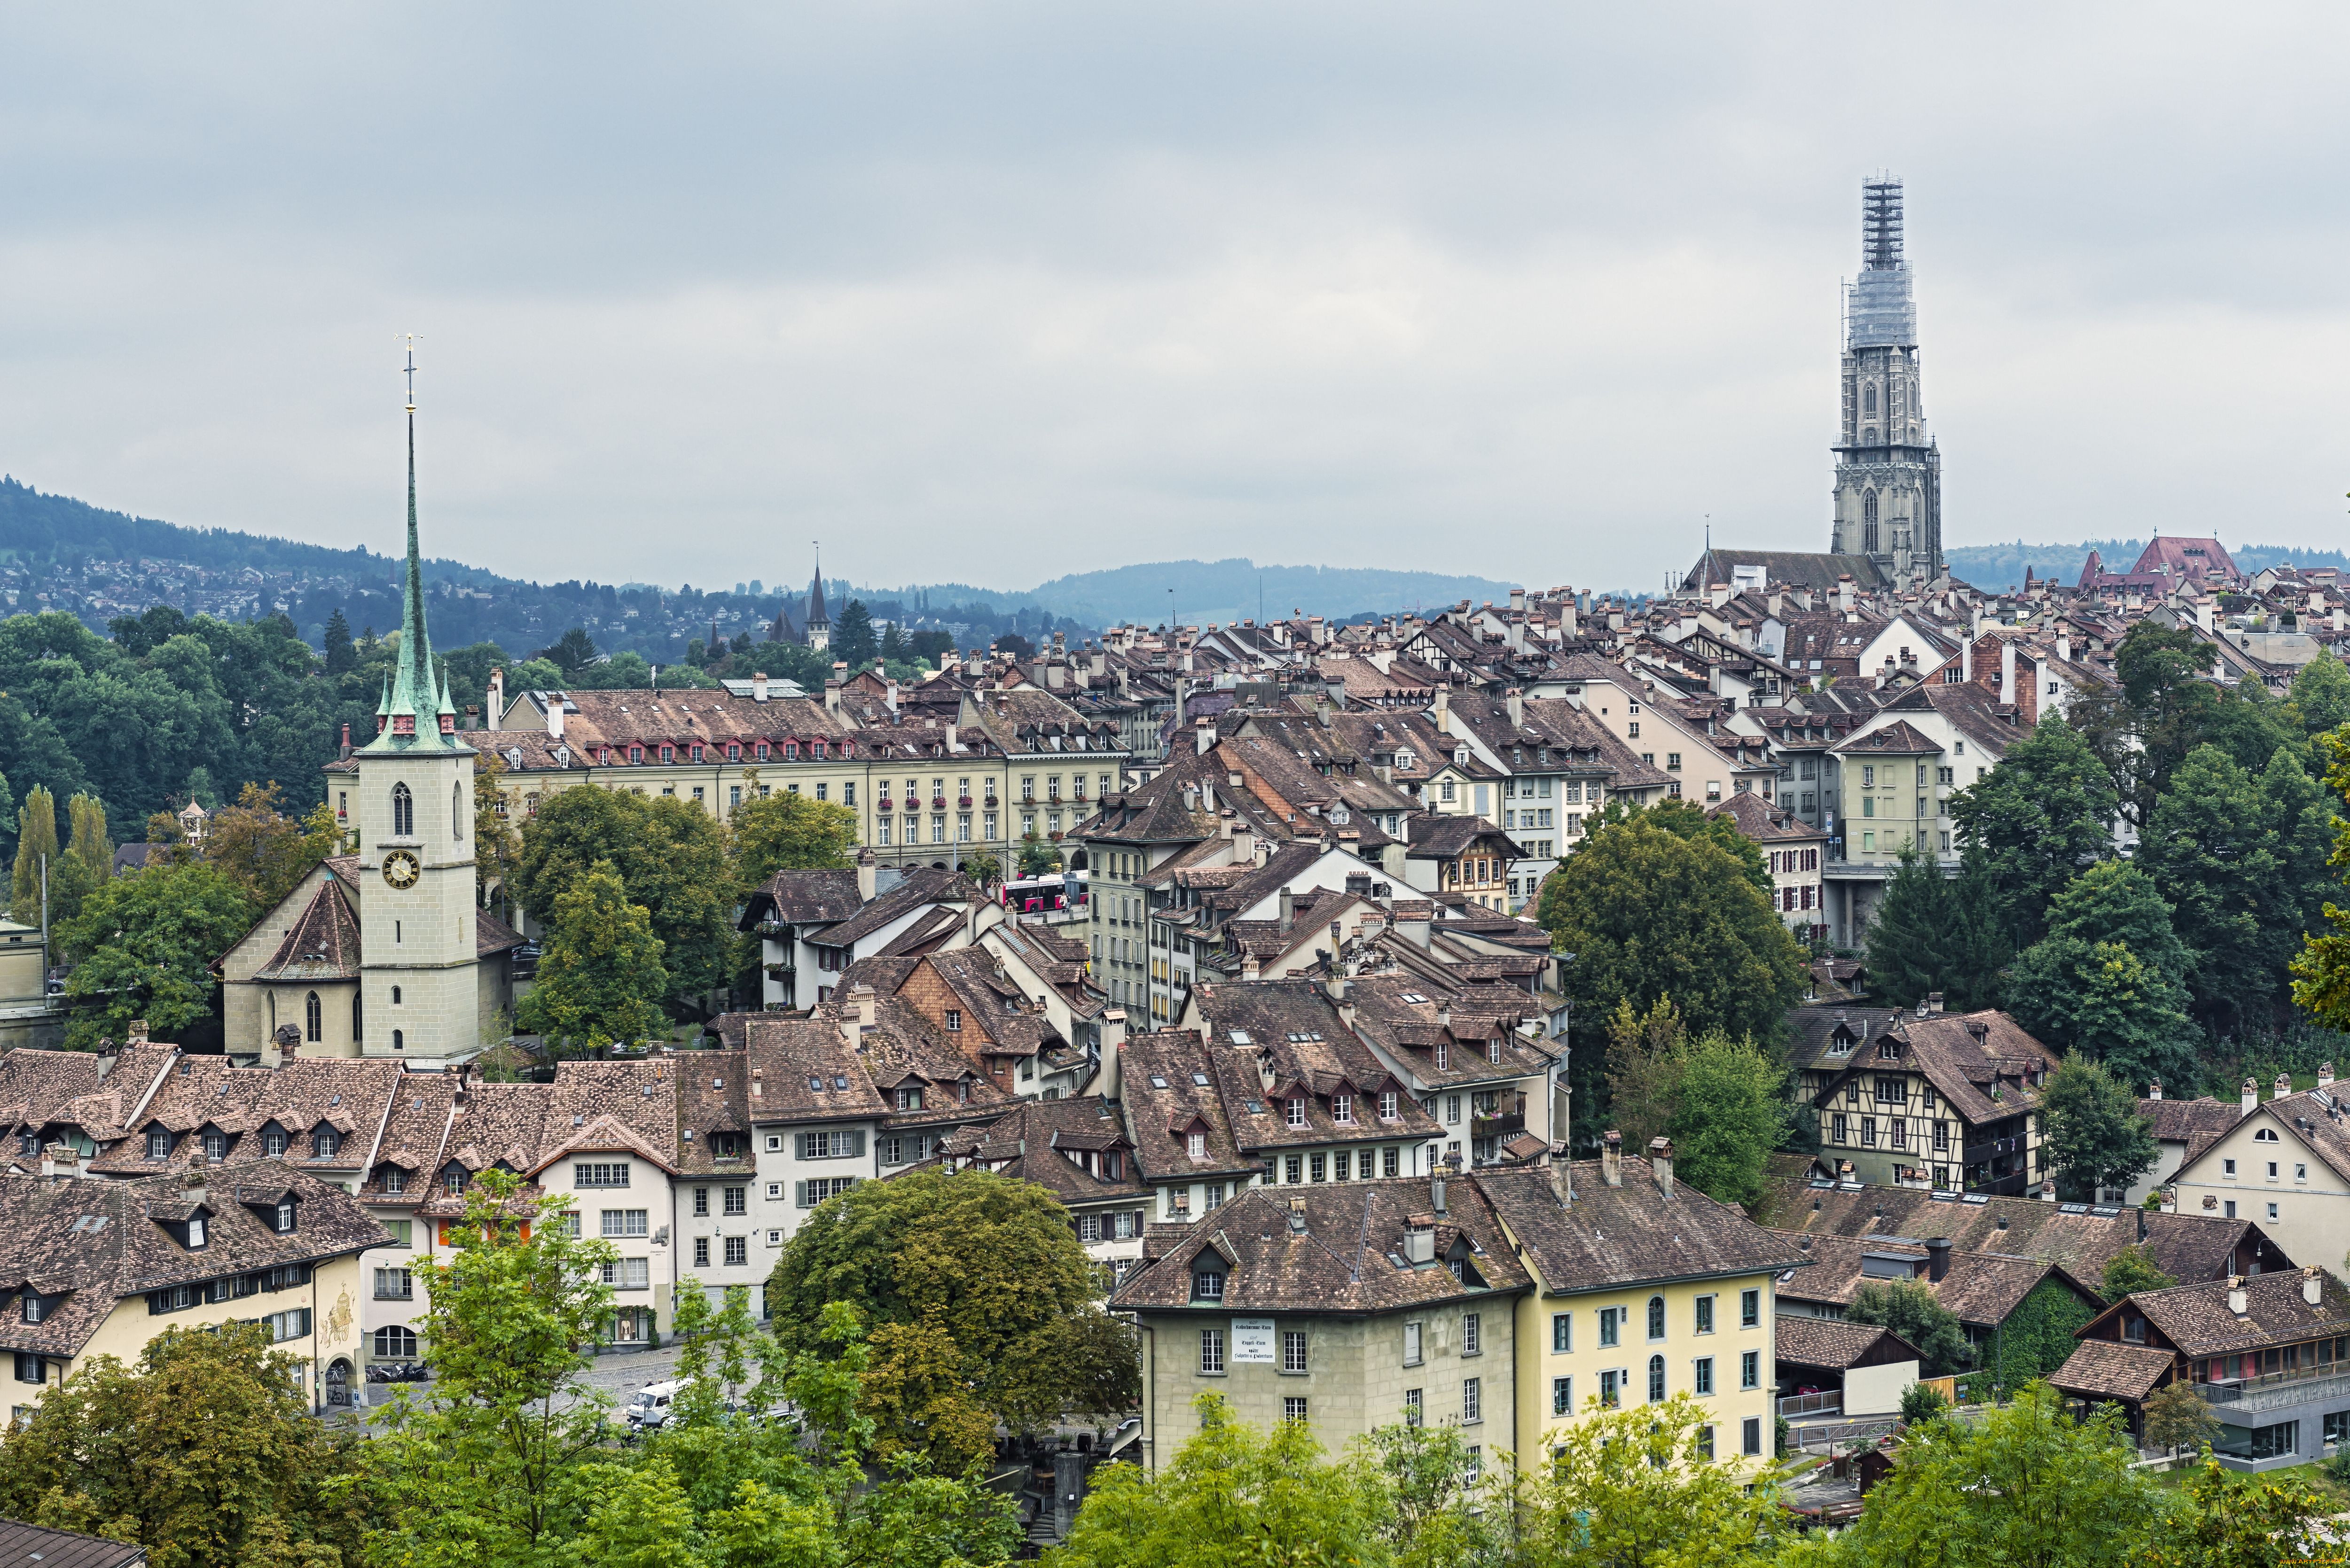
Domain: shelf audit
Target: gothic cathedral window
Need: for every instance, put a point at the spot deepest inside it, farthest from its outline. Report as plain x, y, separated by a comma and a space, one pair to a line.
312, 1020
403, 805
1868, 399
1868, 523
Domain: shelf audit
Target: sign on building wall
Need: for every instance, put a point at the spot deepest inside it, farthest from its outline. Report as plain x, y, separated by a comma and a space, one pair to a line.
1252, 1339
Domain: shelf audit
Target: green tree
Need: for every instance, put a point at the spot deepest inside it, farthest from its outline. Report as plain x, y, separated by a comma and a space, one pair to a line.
2321, 696
1909, 1308
1648, 914
852, 636
1920, 1403
2026, 1485
142, 947
1441, 1499
339, 657
203, 1451
2177, 1418
1639, 1487
2224, 1519
37, 841
991, 1261
983, 866
2034, 821
2131, 1270
498, 847
90, 846
2105, 1003
1232, 1494
476, 1472
1733, 1113
266, 852
788, 831
600, 979
2096, 1137
1687, 819
2320, 971
921, 1400
1038, 855
1936, 934
572, 652
1646, 1057
671, 856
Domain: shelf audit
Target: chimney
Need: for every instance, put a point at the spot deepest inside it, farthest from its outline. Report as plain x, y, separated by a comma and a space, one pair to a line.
2048, 1190
1203, 735
1938, 1259
892, 698
1933, 1002
2141, 1223
2251, 1093
2170, 1200
555, 716
1297, 1216
2065, 647
2325, 1075
759, 686
2007, 672
347, 738
1611, 1158
1444, 707
867, 873
1967, 661
1562, 1178
1420, 1243
2284, 1086
860, 1002
1517, 698
1661, 1155
1436, 1193
1288, 909
137, 1032
2236, 1294
1518, 600
2311, 1291
1250, 969
2154, 1089
1843, 593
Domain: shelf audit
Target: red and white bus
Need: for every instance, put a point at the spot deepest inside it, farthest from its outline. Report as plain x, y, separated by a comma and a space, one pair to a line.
1042, 895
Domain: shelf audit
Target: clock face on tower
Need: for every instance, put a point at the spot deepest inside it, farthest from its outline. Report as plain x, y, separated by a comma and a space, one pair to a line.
400, 868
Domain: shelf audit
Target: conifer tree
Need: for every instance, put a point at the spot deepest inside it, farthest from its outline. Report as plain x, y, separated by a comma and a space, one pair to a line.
37, 841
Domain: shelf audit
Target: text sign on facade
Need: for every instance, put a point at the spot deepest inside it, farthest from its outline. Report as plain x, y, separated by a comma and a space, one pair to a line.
1252, 1339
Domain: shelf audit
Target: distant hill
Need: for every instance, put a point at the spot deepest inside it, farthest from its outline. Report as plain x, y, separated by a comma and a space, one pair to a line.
1240, 589
1997, 566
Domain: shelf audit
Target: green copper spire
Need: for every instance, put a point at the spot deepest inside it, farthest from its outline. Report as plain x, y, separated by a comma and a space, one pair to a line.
413, 711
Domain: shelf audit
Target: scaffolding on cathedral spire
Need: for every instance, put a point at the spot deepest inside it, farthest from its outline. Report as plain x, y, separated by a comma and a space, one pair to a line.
416, 714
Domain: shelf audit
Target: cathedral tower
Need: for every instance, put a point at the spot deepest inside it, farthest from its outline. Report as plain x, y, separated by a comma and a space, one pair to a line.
1888, 477
419, 980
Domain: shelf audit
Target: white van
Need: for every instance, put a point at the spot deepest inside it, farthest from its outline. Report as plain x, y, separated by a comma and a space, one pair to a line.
648, 1411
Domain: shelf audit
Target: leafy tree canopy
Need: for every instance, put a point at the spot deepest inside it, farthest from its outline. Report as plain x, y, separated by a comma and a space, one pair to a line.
1909, 1308
2035, 822
2095, 1137
600, 978
991, 1262
142, 947
2131, 1270
671, 858
1933, 933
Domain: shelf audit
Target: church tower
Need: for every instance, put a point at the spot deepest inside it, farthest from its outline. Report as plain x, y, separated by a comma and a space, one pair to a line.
1888, 476
419, 970
819, 625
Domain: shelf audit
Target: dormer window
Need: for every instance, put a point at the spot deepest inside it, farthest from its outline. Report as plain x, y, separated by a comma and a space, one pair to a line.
1342, 1107
325, 1143
1296, 1111
392, 1179
1390, 1102
159, 1144
273, 1141
1494, 1051
196, 1234
909, 1097
35, 1309
1196, 1145
453, 1180
1443, 1055
284, 1218
1207, 1283
217, 1147
733, 751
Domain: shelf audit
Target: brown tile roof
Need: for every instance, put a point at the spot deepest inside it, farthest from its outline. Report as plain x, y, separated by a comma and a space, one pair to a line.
1635, 1235
1982, 1288
1899, 738
803, 1070
2084, 1239
1337, 1249
2106, 1369
806, 898
22, 1545
1169, 1082
1059, 1144
1982, 1063
1824, 1342
2195, 1318
2197, 1124
917, 888
323, 943
1293, 1028
97, 1240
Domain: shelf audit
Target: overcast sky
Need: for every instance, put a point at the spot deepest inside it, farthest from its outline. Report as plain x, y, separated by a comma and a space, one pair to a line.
995, 291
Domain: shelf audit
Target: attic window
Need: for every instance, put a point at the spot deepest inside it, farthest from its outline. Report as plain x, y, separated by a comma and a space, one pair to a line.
840, 1082
286, 1215
1158, 1081
1241, 1038
1413, 996
1200, 1079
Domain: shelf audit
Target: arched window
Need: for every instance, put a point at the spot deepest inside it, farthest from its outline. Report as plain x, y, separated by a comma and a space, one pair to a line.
313, 1018
394, 1342
1868, 523
1656, 1317
457, 811
395, 996
1656, 1380
397, 1044
355, 1017
404, 812
1868, 399
325, 1143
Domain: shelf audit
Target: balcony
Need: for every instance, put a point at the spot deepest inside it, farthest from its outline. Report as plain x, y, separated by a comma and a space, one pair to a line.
1506, 1125
2277, 1390
1831, 1403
